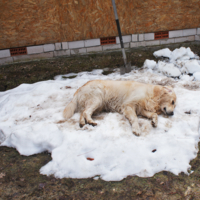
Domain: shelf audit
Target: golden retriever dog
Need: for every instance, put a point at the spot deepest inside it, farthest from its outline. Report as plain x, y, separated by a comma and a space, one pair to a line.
129, 98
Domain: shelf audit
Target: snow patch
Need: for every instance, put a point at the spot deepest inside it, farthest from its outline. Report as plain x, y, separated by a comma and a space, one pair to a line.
192, 66
163, 53
150, 64
197, 76
168, 69
182, 54
187, 78
31, 121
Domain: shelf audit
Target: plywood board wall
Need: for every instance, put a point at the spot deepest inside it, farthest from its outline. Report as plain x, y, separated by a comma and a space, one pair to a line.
34, 22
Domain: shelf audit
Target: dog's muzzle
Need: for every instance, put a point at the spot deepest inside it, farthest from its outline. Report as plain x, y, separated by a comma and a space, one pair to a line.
170, 113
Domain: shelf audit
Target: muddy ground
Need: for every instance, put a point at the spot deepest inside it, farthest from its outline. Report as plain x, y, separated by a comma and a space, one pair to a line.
19, 175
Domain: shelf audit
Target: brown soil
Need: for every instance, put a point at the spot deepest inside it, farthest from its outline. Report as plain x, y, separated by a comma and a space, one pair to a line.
19, 175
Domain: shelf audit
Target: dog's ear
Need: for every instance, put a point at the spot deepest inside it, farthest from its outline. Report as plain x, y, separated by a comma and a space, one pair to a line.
168, 89
158, 92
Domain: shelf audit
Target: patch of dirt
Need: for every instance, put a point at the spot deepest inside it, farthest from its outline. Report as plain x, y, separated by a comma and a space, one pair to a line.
165, 82
61, 122
193, 86
19, 175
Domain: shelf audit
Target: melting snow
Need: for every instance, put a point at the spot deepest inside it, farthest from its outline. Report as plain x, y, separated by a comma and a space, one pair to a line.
163, 53
151, 64
180, 61
197, 76
181, 54
168, 69
31, 121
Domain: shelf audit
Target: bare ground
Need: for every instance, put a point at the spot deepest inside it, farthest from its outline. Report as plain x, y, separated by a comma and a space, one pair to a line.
19, 175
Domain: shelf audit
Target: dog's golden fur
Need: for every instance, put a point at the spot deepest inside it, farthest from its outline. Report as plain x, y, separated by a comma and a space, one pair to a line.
129, 98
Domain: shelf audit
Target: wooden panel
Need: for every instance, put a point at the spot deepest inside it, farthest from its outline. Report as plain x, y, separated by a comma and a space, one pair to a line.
84, 19
33, 22
29, 22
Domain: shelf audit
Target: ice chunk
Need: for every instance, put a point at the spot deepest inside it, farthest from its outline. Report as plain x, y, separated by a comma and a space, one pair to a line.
182, 54
178, 53
163, 53
192, 66
151, 64
184, 70
188, 66
184, 58
168, 69
190, 53
187, 78
197, 76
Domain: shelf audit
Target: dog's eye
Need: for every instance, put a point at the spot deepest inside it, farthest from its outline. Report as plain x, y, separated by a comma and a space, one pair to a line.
173, 102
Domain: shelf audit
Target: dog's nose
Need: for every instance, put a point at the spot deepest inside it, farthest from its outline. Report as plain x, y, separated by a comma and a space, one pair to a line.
171, 113
165, 109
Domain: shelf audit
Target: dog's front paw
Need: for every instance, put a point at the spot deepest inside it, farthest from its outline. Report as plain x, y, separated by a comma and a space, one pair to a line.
154, 121
136, 131
92, 123
81, 125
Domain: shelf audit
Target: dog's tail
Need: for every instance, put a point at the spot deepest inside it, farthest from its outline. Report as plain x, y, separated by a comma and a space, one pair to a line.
70, 108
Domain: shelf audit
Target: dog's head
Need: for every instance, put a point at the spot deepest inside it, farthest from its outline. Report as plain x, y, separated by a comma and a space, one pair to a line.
168, 100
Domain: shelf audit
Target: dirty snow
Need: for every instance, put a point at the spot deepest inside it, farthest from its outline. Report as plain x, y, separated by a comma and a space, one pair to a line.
31, 121
168, 69
191, 66
180, 61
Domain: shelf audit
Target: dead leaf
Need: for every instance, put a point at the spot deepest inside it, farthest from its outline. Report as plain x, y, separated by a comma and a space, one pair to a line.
2, 175
139, 193
91, 159
188, 191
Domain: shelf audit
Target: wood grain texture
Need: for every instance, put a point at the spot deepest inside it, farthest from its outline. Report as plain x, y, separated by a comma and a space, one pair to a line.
33, 22
30, 22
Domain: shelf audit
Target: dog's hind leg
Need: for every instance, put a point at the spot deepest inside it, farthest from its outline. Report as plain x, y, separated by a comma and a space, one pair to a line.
130, 114
86, 115
82, 120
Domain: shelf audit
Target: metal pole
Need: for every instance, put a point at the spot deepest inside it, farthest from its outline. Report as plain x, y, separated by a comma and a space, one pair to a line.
120, 34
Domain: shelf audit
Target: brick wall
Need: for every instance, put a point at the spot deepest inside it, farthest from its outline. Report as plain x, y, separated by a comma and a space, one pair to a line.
26, 23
